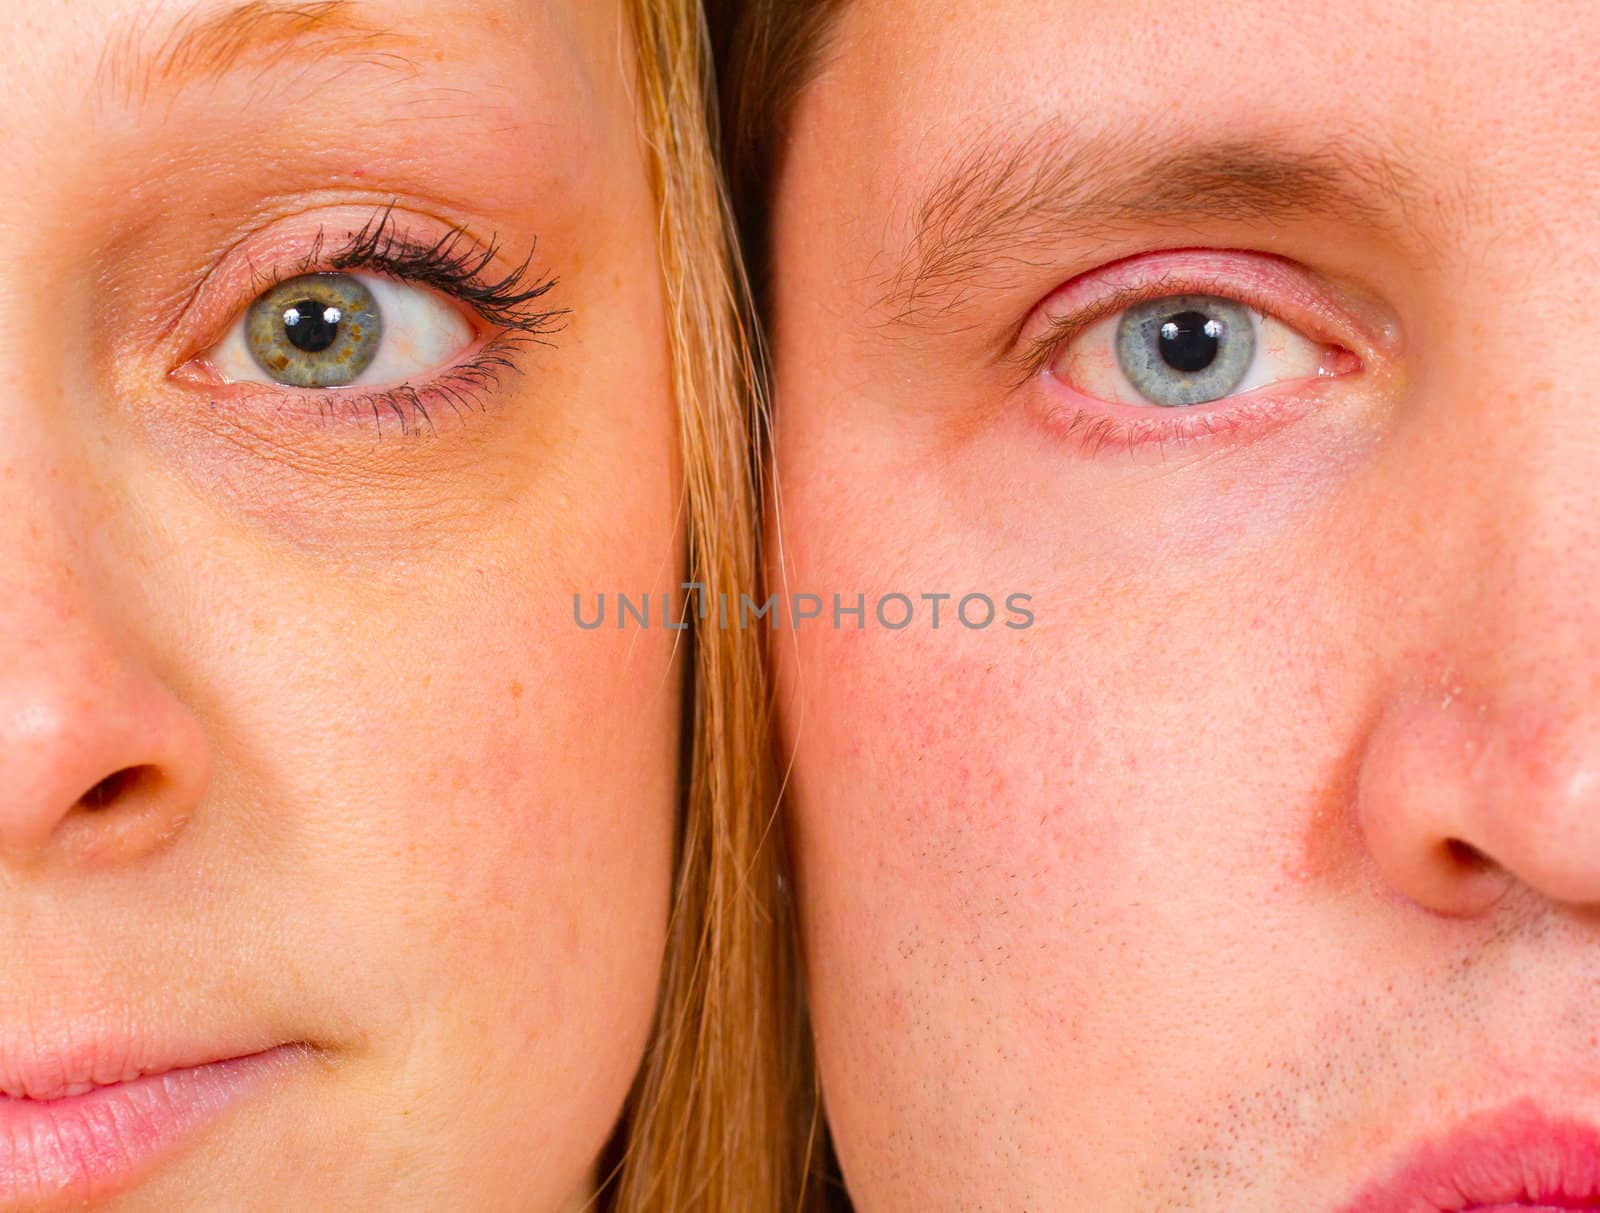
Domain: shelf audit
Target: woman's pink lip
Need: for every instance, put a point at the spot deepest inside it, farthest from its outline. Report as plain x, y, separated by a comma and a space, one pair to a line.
79, 1148
1518, 1158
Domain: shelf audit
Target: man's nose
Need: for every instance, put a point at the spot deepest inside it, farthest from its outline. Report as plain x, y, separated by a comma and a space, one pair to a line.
1482, 768
100, 763
1463, 793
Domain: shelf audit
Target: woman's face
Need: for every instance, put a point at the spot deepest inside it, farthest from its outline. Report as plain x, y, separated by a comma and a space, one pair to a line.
302, 758
1261, 865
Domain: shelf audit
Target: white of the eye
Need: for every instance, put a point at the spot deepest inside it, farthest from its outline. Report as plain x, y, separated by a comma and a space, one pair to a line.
422, 333
1091, 366
1281, 354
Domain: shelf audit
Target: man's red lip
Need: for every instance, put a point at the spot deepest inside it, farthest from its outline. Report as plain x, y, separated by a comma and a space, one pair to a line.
1519, 1157
66, 1142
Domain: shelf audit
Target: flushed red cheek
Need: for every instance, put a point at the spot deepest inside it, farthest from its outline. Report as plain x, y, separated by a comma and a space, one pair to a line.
1330, 847
953, 770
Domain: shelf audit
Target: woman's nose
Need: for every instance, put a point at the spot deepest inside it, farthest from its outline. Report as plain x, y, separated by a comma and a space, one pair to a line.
100, 763
97, 760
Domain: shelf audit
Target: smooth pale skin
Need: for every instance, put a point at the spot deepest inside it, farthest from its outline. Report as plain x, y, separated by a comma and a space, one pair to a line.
1151, 906
395, 804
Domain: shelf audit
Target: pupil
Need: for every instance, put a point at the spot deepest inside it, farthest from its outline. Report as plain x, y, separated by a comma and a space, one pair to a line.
310, 326
1189, 341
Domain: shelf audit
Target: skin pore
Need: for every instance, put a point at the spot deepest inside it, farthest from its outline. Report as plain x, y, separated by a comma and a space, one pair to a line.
299, 743
1269, 852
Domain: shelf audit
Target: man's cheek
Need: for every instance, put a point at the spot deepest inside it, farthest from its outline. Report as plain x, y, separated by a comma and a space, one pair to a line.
987, 766
957, 762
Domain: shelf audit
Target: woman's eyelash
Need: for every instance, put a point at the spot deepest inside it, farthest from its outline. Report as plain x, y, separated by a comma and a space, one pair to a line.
416, 409
454, 264
413, 408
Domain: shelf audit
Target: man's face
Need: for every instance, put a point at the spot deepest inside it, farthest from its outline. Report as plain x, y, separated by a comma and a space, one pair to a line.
1263, 864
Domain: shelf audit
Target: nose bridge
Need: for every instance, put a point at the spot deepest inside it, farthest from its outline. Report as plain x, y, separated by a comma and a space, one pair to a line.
1488, 742
1533, 508
96, 755
1501, 451
55, 505
58, 673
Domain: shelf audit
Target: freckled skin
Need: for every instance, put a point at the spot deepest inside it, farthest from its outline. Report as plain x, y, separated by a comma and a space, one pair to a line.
1155, 905
392, 802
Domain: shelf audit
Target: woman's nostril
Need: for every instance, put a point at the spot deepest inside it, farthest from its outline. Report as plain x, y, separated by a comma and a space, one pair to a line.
114, 788
1466, 856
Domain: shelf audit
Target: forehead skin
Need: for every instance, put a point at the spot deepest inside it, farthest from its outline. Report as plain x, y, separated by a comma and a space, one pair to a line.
903, 95
1092, 919
430, 829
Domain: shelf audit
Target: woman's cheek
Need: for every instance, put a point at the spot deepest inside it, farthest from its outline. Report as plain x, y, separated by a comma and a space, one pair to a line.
553, 785
478, 788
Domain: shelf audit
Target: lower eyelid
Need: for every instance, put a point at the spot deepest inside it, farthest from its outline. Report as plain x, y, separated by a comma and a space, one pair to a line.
1274, 338
449, 397
1098, 428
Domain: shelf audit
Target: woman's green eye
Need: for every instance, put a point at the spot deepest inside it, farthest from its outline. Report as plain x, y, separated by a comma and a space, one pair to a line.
340, 330
318, 330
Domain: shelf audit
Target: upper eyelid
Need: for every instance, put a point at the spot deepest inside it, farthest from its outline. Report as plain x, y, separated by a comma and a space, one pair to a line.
454, 262
1299, 302
1059, 330
1062, 330
301, 244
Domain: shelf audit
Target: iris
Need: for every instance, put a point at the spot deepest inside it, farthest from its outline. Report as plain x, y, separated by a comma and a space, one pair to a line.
1186, 349
317, 330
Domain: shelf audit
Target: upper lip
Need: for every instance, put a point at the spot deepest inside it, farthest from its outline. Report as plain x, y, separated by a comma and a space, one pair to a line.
1519, 1154
66, 1064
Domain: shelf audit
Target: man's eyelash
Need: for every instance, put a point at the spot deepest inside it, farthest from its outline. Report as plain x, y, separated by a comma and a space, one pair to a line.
1060, 330
454, 264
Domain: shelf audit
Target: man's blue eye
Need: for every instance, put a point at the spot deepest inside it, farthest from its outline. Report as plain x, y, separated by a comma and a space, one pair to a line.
1175, 351
1186, 349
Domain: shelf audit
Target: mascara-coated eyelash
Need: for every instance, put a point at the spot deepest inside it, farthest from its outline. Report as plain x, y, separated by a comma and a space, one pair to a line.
1177, 346
315, 327
454, 264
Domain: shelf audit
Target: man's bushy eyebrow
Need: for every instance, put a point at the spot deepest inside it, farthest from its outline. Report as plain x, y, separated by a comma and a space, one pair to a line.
261, 33
1002, 203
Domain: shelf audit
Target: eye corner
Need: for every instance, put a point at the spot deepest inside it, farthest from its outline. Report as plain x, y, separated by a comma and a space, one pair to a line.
197, 371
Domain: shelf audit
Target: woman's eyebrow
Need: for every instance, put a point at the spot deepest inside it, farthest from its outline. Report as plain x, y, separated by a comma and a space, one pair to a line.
260, 33
1000, 206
